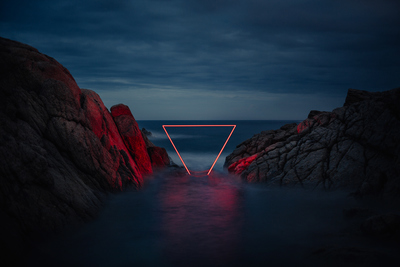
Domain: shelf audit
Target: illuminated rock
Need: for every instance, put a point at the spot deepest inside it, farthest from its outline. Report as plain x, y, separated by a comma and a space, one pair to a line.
132, 136
61, 150
158, 155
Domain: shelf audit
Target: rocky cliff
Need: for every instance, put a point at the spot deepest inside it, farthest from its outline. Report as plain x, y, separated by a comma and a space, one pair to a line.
356, 146
61, 150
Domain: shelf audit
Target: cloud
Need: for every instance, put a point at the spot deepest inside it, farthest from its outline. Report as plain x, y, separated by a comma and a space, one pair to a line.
292, 48
168, 103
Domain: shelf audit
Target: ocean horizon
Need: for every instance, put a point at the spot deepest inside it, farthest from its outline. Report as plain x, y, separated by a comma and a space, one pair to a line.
199, 146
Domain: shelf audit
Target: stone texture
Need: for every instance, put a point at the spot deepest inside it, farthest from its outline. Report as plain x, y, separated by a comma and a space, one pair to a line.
132, 136
61, 150
356, 146
158, 155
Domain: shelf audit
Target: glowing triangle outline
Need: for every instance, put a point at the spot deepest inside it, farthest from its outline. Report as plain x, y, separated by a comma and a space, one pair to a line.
219, 154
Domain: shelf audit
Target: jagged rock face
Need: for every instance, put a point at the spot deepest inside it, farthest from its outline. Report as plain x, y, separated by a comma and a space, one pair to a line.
158, 155
132, 136
60, 148
119, 160
356, 146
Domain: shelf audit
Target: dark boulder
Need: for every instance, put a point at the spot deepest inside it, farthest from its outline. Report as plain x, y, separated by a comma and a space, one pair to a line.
356, 146
61, 150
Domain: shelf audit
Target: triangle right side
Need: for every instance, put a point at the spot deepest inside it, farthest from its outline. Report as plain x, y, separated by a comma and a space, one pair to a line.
219, 154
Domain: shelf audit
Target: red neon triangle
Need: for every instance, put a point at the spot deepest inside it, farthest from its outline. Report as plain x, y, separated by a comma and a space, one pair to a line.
179, 155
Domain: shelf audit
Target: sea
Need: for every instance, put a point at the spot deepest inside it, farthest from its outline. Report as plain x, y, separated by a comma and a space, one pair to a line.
177, 219
200, 145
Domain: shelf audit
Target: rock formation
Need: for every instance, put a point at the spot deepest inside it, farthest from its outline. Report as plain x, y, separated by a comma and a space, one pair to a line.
61, 150
145, 132
158, 155
132, 136
356, 146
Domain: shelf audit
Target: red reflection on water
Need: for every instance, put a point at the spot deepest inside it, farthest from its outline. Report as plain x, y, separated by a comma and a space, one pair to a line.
201, 220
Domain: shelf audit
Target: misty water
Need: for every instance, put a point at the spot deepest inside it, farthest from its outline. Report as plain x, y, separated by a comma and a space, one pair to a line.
216, 220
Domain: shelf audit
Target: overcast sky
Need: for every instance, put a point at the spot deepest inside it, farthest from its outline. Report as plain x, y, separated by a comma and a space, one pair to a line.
216, 59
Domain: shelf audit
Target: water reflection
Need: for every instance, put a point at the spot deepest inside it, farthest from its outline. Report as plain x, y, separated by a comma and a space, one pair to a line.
216, 220
201, 220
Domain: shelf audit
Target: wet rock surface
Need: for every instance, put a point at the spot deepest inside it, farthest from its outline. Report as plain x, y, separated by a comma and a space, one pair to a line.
356, 147
61, 150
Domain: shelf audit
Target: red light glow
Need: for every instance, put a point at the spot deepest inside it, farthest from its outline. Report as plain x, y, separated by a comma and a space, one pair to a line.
179, 155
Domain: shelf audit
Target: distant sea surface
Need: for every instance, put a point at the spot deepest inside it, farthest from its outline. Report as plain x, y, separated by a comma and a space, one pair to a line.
199, 146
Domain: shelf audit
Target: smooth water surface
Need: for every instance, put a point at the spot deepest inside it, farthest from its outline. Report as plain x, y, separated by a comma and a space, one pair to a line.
216, 220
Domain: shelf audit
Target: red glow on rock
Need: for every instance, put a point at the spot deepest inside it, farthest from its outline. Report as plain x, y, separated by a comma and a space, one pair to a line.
239, 166
304, 125
203, 173
132, 137
119, 110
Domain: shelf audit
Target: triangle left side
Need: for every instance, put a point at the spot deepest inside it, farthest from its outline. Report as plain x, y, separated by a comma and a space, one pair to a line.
177, 152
